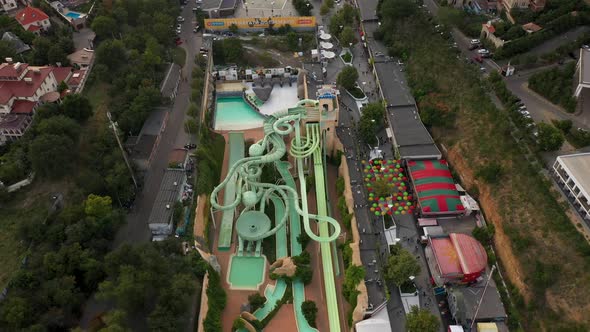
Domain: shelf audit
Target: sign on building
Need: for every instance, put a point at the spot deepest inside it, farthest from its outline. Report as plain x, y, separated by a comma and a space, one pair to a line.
254, 23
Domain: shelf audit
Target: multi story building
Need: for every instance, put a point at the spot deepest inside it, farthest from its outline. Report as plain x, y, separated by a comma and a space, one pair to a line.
33, 19
22, 88
573, 175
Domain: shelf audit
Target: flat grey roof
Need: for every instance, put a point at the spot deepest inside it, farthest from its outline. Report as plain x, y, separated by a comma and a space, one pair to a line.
368, 9
491, 304
169, 83
393, 84
411, 136
379, 322
585, 66
578, 167
167, 195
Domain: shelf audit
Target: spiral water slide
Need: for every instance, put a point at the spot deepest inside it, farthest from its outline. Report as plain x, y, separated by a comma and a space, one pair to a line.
245, 175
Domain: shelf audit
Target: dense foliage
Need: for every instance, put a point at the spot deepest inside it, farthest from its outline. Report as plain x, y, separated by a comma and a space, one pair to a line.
372, 119
310, 312
65, 267
556, 84
303, 7
153, 280
217, 300
421, 320
401, 265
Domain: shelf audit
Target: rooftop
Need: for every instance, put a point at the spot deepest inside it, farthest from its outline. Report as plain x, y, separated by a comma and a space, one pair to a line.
584, 66
82, 57
30, 15
578, 166
435, 187
13, 121
459, 254
411, 136
168, 194
18, 44
379, 322
468, 297
170, 81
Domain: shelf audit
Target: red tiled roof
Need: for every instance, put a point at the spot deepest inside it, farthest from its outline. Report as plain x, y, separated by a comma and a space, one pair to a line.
61, 73
490, 28
10, 69
22, 88
30, 15
23, 107
33, 28
76, 77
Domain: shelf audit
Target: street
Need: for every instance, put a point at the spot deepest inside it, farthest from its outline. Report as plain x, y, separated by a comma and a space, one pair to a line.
136, 230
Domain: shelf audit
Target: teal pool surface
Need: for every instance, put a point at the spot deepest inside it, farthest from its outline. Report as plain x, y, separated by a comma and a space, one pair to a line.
233, 113
246, 272
73, 14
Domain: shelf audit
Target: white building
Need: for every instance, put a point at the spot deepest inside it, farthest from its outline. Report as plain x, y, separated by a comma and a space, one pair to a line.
8, 5
573, 174
583, 72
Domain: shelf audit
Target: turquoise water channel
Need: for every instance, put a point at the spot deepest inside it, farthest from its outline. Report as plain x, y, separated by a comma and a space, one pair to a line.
233, 113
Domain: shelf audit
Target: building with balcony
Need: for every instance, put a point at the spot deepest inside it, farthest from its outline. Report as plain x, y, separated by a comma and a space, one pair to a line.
33, 19
573, 175
8, 5
22, 88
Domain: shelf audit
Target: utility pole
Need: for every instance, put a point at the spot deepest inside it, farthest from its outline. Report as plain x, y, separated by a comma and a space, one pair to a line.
481, 298
113, 125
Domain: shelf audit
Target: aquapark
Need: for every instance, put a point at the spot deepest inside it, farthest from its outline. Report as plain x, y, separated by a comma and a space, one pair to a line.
244, 224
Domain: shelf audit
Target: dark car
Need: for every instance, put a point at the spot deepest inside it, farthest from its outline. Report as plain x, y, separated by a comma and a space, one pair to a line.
190, 146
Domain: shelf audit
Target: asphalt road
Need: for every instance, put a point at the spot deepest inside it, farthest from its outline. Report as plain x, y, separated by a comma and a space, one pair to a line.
136, 229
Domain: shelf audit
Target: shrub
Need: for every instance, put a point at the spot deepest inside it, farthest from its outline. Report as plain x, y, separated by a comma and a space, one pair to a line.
310, 311
490, 173
256, 301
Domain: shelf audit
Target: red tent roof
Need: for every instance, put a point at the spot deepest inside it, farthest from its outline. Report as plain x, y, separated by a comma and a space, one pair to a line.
435, 187
459, 254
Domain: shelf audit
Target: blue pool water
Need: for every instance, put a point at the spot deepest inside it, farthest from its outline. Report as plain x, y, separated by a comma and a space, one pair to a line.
73, 14
233, 113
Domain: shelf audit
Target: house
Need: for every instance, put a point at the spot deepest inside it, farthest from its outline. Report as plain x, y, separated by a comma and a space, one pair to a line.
18, 44
82, 58
22, 89
8, 5
33, 19
573, 175
515, 4
488, 32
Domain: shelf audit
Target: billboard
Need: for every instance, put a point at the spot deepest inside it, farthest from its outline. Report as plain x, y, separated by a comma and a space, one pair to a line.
247, 23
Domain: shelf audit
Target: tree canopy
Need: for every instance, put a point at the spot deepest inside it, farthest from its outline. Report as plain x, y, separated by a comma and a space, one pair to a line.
549, 137
401, 265
421, 320
347, 77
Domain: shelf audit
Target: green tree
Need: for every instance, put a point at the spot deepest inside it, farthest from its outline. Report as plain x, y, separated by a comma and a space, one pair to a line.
57, 54
292, 41
347, 77
63, 86
77, 106
549, 137
421, 320
564, 125
52, 155
104, 27
59, 125
233, 51
346, 36
256, 301
7, 49
401, 266
111, 53
98, 206
324, 9
233, 28
310, 311
115, 321
15, 312
329, 3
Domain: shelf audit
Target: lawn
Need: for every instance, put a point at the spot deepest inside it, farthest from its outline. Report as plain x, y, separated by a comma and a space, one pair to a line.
179, 56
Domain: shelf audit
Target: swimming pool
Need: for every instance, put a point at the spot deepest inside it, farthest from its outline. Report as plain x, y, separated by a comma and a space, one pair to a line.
246, 272
233, 113
73, 14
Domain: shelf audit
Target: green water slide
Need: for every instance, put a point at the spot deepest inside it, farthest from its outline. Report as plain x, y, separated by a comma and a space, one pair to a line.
252, 225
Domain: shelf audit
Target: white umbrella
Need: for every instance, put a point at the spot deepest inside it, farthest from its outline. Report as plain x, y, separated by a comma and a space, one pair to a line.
325, 36
328, 54
326, 45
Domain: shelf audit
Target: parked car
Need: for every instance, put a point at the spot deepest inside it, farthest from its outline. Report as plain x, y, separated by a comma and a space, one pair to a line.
190, 146
196, 29
180, 19
478, 58
475, 42
400, 63
483, 51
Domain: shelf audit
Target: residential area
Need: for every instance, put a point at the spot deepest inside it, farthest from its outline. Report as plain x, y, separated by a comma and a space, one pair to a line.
295, 165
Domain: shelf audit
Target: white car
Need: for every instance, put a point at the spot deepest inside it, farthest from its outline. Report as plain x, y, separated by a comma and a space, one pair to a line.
180, 19
475, 42
483, 51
